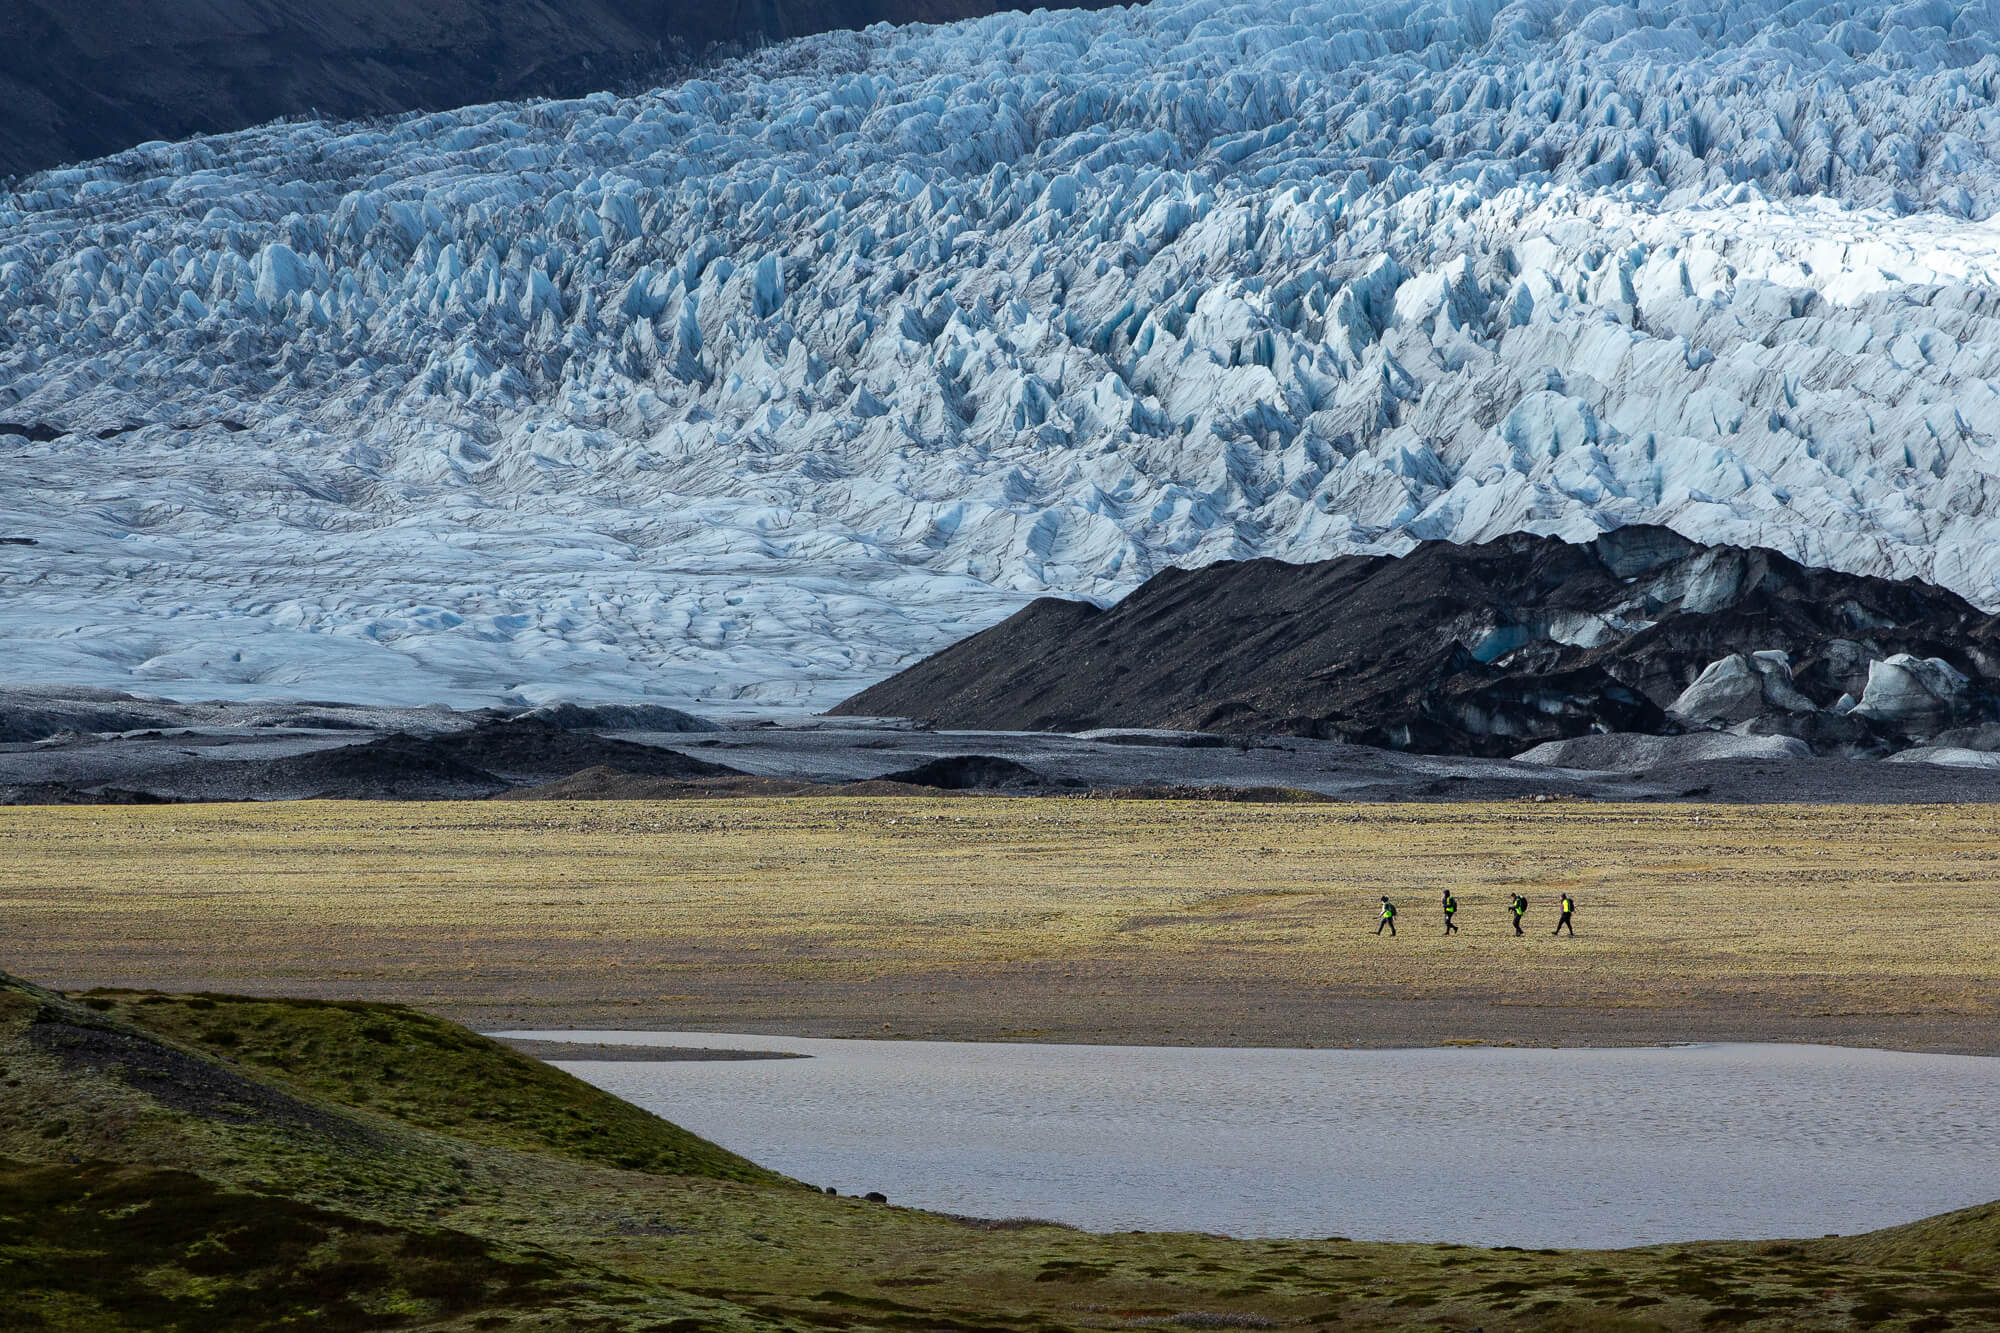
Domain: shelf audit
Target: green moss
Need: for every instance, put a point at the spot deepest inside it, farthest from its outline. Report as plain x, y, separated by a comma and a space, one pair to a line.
475, 1188
433, 1074
107, 1246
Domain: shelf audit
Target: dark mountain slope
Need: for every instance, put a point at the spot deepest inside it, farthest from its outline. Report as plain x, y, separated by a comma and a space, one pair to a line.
1470, 649
80, 81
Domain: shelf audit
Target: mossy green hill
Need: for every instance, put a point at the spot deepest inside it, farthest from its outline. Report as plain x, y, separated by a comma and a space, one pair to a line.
217, 1163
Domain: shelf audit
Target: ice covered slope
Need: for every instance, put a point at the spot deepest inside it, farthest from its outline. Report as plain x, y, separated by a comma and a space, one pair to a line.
762, 385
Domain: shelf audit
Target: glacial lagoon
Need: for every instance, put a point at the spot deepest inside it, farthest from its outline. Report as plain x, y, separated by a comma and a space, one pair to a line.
1580, 1147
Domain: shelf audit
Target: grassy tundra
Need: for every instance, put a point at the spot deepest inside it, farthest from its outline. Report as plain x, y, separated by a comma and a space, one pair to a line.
217, 1164
1072, 920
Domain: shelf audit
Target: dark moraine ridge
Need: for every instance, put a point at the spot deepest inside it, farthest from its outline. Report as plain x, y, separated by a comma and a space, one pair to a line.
1483, 650
82, 81
481, 761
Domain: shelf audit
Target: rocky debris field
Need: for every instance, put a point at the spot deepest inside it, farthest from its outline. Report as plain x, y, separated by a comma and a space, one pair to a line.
1524, 643
433, 754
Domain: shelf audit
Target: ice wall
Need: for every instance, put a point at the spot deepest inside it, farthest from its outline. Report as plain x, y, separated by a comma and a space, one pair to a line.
760, 386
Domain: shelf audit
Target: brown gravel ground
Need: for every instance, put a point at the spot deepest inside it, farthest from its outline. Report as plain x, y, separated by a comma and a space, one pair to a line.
1093, 921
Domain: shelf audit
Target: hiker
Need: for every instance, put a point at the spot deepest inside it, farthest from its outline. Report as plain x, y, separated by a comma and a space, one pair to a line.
1450, 910
1388, 917
1568, 906
1519, 907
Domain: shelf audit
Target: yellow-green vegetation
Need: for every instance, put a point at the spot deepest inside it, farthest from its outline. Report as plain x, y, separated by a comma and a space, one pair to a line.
426, 1072
1091, 920
207, 1163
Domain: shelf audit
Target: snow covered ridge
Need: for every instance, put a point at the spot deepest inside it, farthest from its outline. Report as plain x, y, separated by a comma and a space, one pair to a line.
761, 386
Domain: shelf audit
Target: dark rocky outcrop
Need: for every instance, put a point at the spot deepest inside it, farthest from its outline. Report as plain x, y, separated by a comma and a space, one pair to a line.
968, 772
478, 762
29, 719
82, 81
527, 750
616, 717
1484, 650
63, 793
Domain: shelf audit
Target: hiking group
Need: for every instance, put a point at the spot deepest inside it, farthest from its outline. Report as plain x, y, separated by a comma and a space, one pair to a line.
1517, 908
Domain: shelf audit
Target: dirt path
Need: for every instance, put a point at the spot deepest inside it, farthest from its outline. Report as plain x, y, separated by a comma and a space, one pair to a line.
1043, 920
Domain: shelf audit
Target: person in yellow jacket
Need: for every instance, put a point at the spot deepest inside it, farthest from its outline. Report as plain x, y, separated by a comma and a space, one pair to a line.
1519, 907
1388, 917
1450, 911
1568, 906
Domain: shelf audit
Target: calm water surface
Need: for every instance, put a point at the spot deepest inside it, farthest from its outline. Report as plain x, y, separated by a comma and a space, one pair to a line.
1493, 1146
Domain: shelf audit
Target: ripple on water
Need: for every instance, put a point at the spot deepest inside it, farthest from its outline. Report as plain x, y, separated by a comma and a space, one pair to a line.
1482, 1145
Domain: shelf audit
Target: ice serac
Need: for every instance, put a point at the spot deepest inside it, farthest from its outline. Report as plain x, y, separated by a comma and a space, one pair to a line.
767, 383
1740, 687
1566, 653
1918, 696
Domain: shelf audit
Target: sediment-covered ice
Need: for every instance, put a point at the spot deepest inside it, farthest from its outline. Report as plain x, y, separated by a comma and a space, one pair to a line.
759, 386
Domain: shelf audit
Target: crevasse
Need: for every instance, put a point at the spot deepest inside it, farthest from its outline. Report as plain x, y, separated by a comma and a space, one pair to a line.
759, 386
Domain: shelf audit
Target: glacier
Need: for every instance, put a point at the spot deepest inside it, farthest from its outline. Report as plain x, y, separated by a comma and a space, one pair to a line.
757, 387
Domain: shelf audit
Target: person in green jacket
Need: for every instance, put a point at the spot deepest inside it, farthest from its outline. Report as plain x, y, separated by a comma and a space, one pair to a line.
1568, 906
1519, 907
1388, 917
1450, 911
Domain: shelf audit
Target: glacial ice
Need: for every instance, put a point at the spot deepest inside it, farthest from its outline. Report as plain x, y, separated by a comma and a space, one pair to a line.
1743, 686
759, 386
1921, 695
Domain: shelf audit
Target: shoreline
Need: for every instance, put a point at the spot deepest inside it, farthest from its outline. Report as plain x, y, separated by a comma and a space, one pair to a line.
553, 1051
1066, 922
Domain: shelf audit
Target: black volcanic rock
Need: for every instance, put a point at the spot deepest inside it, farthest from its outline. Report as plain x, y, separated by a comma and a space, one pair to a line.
1482, 650
84, 80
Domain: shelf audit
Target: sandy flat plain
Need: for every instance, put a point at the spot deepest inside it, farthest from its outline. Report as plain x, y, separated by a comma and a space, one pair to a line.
1062, 920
